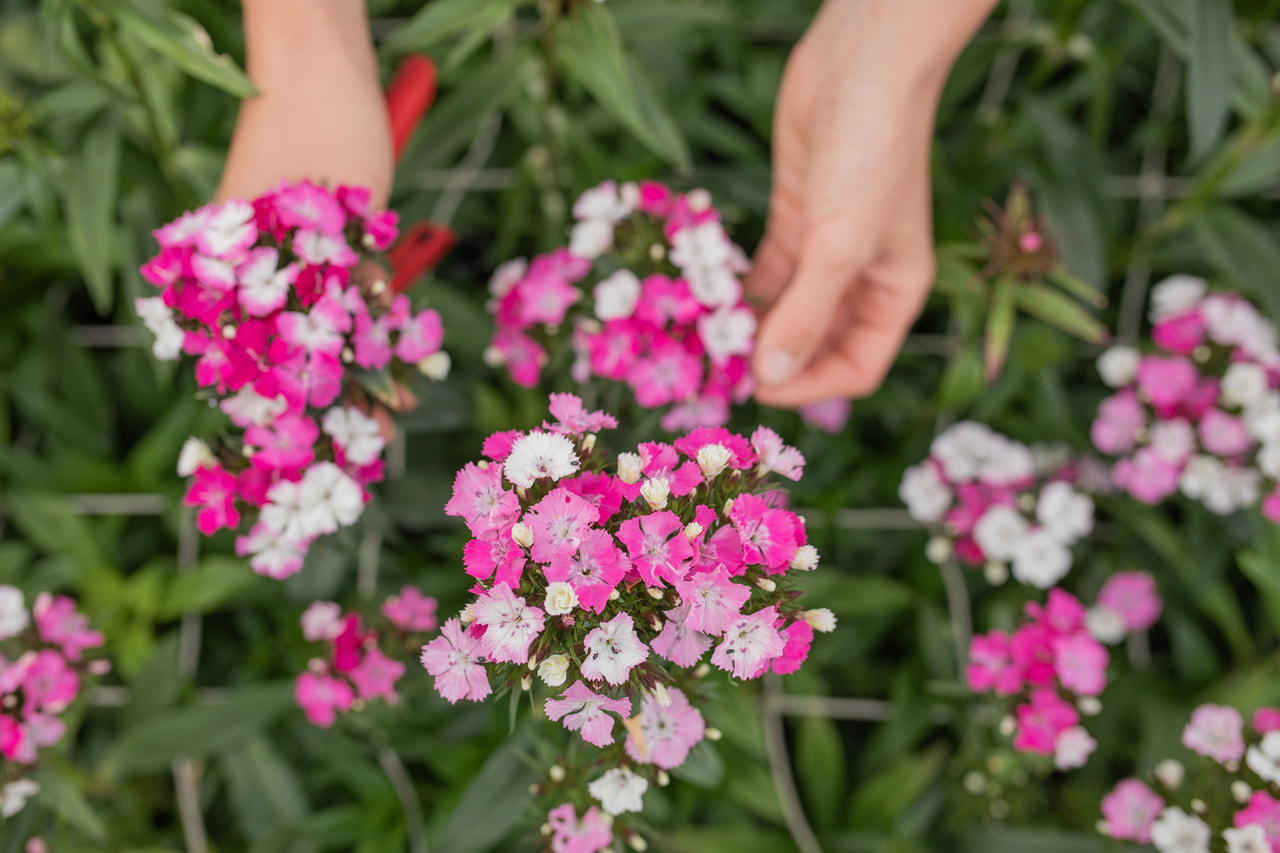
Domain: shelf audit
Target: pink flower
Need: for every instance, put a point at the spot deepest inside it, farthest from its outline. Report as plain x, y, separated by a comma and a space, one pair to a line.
661, 460
991, 665
411, 610
1041, 721
1121, 418
775, 456
669, 731
1147, 476
1217, 732
1179, 334
1081, 664
598, 489
749, 643
60, 625
573, 419
658, 548
16, 744
1063, 613
545, 295
349, 643
1129, 810
741, 453
799, 637
668, 373
372, 341
48, 683
420, 337
1132, 596
456, 661
584, 711
1271, 506
593, 571
305, 205
664, 301
1032, 650
613, 650
722, 548
1166, 381
830, 416
480, 499
228, 231
713, 598
1266, 720
522, 355
1263, 810
592, 833
510, 625
1223, 434
495, 554
322, 329
768, 535
559, 521
286, 445
678, 642
376, 675
214, 491
321, 697
613, 351
498, 446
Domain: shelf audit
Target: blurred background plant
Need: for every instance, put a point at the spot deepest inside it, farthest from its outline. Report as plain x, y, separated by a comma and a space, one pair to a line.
1147, 135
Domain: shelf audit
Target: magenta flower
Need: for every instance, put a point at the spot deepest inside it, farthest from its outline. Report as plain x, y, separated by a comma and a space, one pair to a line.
521, 354
559, 521
603, 492
410, 610
495, 554
1081, 664
321, 697
1166, 381
799, 637
768, 535
480, 499
498, 446
1266, 720
776, 456
1042, 720
305, 205
584, 711
749, 643
510, 625
669, 731
722, 548
1129, 810
593, 571
545, 296
1180, 334
713, 598
1217, 732
613, 650
991, 665
372, 341
214, 491
678, 642
658, 548
742, 454
669, 374
457, 662
1133, 597
376, 675
286, 445
59, 624
16, 744
1263, 810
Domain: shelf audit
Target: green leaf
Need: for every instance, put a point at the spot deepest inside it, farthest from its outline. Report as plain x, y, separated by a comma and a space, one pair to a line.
591, 50
195, 731
882, 797
1243, 250
1209, 74
215, 582
999, 326
183, 42
868, 595
90, 195
492, 803
452, 121
265, 791
59, 793
703, 767
1059, 310
963, 379
442, 20
1078, 288
12, 197
820, 766
49, 523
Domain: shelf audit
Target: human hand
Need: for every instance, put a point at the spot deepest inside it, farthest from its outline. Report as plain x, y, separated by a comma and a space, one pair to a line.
847, 258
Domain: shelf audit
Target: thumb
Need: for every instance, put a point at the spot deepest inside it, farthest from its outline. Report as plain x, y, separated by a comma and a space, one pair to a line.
798, 322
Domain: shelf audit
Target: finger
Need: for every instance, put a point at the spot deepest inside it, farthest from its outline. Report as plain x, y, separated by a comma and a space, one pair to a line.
775, 259
797, 324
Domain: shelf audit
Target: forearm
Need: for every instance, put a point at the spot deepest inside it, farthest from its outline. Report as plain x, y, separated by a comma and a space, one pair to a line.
314, 66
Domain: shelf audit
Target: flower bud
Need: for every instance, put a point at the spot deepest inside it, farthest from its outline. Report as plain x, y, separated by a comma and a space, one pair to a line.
1090, 706
556, 773
938, 551
561, 599
1008, 726
766, 584
229, 332
522, 534
657, 252
493, 357
713, 734
995, 573
660, 693
728, 506
655, 491
693, 530
974, 782
468, 613
699, 200
655, 593
1106, 625
664, 779
614, 595
805, 559
589, 442
349, 355
821, 620
638, 844
1027, 502
483, 464
436, 366
101, 666
526, 682
554, 670
1118, 366
195, 454
712, 459
1170, 773
630, 468
1241, 792
702, 670
1198, 806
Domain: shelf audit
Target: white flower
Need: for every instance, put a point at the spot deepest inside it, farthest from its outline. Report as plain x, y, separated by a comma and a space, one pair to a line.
322, 620
1072, 748
1268, 460
1064, 513
1262, 418
713, 459
714, 287
602, 202
655, 492
538, 455
436, 366
522, 534
617, 295
705, 255
1170, 773
630, 468
1174, 440
561, 599
612, 650
264, 289
1000, 532
961, 449
507, 276
554, 670
926, 495
591, 238
619, 790
1118, 366
14, 796
158, 319
821, 620
1264, 759
727, 332
227, 226
1246, 839
1175, 831
327, 499
248, 408
1008, 463
1176, 294
13, 612
805, 558
275, 554
1041, 560
194, 454
359, 435
1105, 625
1243, 384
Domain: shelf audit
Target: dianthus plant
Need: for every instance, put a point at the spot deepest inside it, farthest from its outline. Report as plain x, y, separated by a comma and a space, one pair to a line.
42, 668
993, 502
1201, 413
647, 293
1225, 800
298, 349
612, 581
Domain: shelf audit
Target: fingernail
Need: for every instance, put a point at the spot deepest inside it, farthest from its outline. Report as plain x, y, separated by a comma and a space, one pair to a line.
777, 367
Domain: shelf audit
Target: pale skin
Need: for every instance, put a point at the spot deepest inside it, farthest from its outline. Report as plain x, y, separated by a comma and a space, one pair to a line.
847, 259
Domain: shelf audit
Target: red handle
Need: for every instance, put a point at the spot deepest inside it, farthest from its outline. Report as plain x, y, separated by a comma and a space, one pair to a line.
409, 97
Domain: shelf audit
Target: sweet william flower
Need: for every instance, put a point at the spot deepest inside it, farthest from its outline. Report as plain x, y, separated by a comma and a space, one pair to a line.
658, 549
713, 598
457, 662
592, 833
558, 522
321, 697
1217, 732
359, 435
538, 455
616, 296
510, 625
678, 642
613, 650
410, 610
553, 670
768, 535
1130, 810
1261, 817
619, 790
749, 643
59, 624
1175, 831
594, 570
669, 731
480, 499
1264, 758
214, 491
799, 638
586, 712
1041, 721
775, 456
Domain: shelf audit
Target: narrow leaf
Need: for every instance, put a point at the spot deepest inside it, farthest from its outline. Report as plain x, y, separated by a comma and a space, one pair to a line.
443, 20
215, 582
60, 793
999, 326
1059, 310
1209, 68
90, 195
1243, 250
183, 42
1078, 288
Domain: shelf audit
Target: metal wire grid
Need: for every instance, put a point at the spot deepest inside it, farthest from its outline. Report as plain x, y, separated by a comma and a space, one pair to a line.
1151, 189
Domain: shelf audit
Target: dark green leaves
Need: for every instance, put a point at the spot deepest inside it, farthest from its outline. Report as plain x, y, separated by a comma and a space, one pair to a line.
182, 41
1209, 74
90, 195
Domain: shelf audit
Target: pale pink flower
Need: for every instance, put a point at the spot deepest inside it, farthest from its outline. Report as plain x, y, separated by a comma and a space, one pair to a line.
264, 286
1073, 748
592, 833
480, 499
545, 296
658, 548
799, 638
1223, 434
495, 554
410, 610
1146, 476
775, 456
558, 521
613, 650
830, 416
678, 642
288, 444
59, 624
669, 373
573, 419
1121, 417
1217, 732
48, 684
372, 339
457, 662
749, 643
669, 731
1133, 597
420, 337
272, 553
1129, 810
713, 598
376, 675
228, 229
1166, 381
510, 625
584, 711
322, 620
1081, 664
322, 696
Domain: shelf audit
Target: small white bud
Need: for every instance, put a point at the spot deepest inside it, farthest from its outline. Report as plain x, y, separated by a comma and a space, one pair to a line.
805, 558
522, 534
493, 357
195, 454
655, 593
630, 468
526, 682
468, 614
713, 734
938, 551
368, 241
712, 459
1027, 502
702, 670
821, 620
766, 584
657, 252
556, 773
1118, 366
1241, 792
660, 693
699, 200
693, 530
638, 844
589, 442
995, 573
1106, 625
553, 670
378, 287
1170, 773
1008, 726
655, 492
483, 464
561, 599
728, 506
974, 782
1198, 806
664, 779
349, 355
436, 366
229, 332
614, 595
1090, 706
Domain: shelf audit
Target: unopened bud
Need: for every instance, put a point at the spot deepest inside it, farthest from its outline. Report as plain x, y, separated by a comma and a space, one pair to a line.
195, 454
974, 782
938, 551
655, 593
728, 506
657, 252
1241, 792
693, 530
522, 534
378, 288
526, 682
561, 599
589, 442
821, 620
664, 779
995, 573
229, 332
554, 670
493, 357
1008, 726
1170, 773
712, 459
368, 242
805, 559
702, 670
468, 613
713, 734
436, 366
766, 584
1198, 806
614, 595
1027, 502
101, 666
546, 827
483, 464
655, 492
630, 468
635, 842
1090, 706
556, 773
660, 693
699, 200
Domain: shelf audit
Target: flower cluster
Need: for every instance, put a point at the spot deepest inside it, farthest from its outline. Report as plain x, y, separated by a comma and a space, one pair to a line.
1201, 415
356, 669
617, 580
646, 293
1056, 665
1175, 816
995, 504
265, 295
39, 682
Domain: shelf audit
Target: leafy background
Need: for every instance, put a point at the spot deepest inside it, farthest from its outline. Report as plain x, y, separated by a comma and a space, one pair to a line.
1148, 132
